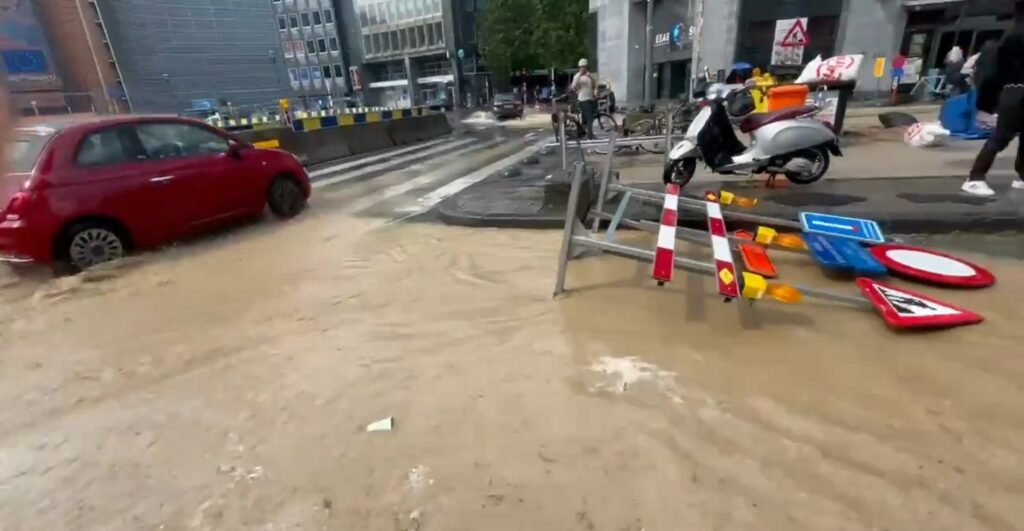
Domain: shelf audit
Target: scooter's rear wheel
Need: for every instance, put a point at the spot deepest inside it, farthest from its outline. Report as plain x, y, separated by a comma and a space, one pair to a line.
820, 161
679, 171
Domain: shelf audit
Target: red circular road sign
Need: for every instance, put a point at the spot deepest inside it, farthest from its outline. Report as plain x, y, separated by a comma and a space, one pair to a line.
932, 267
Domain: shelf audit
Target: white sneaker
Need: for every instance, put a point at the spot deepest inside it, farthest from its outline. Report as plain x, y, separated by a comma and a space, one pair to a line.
1017, 184
978, 188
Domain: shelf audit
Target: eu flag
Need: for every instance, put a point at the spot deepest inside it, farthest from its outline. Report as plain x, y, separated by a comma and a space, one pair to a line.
25, 61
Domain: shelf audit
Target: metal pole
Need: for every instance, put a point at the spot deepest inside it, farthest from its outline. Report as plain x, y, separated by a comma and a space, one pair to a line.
561, 139
570, 221
668, 134
697, 204
649, 55
698, 19
605, 175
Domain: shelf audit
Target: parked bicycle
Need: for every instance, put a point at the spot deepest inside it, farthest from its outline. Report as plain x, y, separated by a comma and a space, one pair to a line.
574, 130
682, 115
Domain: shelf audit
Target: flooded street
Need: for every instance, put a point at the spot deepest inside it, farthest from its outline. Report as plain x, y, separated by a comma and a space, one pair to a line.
227, 384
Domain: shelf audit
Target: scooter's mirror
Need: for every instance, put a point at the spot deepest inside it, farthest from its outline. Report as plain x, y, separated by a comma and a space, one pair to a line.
750, 83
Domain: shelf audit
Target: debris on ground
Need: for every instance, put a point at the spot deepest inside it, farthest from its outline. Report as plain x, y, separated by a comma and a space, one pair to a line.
385, 424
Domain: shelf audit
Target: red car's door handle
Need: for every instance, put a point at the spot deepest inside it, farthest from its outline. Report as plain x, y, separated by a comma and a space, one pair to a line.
161, 179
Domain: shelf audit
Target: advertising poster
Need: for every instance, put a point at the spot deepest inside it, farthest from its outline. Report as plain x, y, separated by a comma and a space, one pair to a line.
24, 53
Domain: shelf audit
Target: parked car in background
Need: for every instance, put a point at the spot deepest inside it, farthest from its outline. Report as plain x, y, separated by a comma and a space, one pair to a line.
507, 105
81, 191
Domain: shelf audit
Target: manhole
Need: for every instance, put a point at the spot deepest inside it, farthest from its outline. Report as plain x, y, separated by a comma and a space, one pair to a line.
809, 199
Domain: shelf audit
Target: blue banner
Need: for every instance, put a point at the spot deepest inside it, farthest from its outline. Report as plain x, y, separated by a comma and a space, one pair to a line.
25, 62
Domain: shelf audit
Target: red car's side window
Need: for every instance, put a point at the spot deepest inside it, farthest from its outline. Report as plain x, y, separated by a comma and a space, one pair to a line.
106, 146
169, 140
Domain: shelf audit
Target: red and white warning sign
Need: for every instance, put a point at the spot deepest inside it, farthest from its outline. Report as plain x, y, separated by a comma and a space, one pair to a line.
934, 268
790, 40
665, 252
902, 308
725, 268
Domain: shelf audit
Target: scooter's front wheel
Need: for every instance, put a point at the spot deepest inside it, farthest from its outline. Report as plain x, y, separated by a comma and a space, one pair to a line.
679, 171
819, 159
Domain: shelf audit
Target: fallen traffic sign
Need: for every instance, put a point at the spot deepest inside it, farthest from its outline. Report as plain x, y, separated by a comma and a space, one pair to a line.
858, 229
842, 255
902, 308
932, 267
756, 260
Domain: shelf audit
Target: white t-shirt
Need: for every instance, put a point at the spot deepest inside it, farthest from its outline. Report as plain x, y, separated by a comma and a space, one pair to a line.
584, 85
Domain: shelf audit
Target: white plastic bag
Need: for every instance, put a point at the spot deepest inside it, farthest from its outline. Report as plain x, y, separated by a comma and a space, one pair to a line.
926, 135
841, 68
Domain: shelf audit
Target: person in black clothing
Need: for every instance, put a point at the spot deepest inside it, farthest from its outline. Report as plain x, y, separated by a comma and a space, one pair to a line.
1000, 78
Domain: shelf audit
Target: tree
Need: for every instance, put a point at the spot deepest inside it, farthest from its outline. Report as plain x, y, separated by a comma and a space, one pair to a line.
516, 34
506, 38
559, 31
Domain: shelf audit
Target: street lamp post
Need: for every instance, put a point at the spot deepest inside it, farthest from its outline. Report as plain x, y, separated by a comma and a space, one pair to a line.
649, 56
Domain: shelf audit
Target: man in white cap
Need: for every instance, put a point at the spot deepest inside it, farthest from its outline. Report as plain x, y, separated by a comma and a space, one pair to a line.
585, 87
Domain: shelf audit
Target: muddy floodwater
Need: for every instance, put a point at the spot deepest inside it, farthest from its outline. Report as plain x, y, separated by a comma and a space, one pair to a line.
226, 384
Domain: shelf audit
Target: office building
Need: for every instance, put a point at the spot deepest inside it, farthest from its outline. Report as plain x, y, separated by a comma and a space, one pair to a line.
731, 31
175, 55
54, 59
405, 52
311, 50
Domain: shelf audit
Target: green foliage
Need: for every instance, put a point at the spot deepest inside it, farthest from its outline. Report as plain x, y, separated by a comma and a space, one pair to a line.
517, 34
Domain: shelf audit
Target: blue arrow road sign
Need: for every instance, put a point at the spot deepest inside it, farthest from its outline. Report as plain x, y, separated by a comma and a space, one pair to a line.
863, 230
846, 256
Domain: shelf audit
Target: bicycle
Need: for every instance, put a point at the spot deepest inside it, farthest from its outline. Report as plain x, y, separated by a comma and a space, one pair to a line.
574, 119
682, 115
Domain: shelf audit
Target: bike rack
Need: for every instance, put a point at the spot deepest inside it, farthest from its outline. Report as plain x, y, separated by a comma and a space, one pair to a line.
576, 238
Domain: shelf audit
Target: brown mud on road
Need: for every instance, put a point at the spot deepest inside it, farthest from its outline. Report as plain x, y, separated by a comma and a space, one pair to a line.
227, 384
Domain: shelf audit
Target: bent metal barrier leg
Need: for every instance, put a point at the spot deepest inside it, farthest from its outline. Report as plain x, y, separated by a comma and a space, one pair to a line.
576, 236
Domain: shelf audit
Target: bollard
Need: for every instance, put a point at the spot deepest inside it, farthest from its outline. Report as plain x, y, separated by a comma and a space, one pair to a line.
561, 137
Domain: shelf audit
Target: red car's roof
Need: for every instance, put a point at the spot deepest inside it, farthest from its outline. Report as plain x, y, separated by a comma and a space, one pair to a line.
63, 121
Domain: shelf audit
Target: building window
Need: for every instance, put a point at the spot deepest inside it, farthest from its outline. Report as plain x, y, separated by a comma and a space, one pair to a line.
299, 47
310, 47
328, 16
376, 43
326, 69
321, 45
430, 35
293, 21
421, 37
317, 19
439, 31
363, 19
293, 75
282, 23
338, 72
332, 43
366, 45
305, 20
385, 42
277, 1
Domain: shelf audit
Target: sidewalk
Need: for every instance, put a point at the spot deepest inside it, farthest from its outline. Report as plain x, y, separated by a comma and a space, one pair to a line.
906, 189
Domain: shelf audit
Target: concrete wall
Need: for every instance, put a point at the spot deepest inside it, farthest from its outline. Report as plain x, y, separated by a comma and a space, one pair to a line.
614, 43
873, 28
717, 47
207, 49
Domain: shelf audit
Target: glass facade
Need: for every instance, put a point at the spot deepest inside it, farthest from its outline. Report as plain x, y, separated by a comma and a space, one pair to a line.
392, 28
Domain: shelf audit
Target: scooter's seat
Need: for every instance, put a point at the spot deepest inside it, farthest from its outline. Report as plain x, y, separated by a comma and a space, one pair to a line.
758, 120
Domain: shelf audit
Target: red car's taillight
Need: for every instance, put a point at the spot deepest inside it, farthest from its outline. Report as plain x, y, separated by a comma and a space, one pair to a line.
17, 206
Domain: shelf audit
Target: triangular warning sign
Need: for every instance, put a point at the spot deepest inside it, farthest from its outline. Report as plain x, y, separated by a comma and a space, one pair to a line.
797, 35
902, 308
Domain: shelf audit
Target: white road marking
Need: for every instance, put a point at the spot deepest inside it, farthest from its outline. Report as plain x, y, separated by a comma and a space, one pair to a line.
433, 198
383, 165
337, 167
414, 183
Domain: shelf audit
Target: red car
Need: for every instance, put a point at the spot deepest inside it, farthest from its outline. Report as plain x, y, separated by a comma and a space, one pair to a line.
84, 191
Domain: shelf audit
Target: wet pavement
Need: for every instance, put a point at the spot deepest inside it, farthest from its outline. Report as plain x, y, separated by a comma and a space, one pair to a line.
226, 383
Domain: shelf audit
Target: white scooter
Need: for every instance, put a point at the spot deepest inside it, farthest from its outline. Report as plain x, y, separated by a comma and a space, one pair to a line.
788, 142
